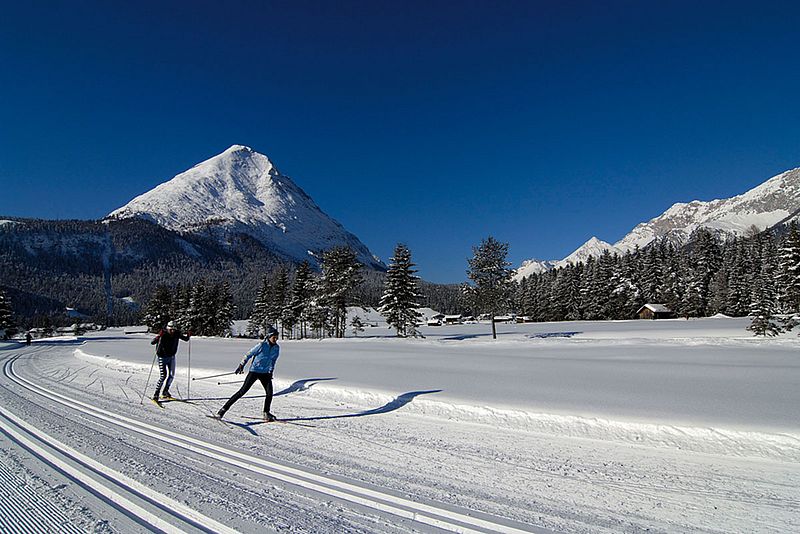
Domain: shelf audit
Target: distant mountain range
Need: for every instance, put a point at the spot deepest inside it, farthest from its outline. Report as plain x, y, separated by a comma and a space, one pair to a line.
234, 217
774, 202
231, 218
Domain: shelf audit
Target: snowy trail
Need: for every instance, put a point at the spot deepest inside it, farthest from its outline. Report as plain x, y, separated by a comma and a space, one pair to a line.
121, 492
24, 509
539, 481
424, 514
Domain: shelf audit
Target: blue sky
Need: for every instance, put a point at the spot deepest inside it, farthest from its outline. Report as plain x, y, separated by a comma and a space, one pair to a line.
431, 123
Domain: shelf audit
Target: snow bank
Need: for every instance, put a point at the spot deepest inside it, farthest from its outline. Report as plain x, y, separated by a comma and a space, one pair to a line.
719, 441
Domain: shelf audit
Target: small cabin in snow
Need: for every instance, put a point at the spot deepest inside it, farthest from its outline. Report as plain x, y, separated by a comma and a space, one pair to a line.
655, 311
452, 319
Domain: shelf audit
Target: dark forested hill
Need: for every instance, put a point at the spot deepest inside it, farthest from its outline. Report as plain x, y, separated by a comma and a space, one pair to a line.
105, 268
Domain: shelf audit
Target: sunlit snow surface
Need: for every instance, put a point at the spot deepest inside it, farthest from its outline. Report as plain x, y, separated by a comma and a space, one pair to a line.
581, 427
705, 385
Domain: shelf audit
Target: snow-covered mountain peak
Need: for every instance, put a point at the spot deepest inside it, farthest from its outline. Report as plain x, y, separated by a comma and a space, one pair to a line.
772, 202
534, 266
593, 247
238, 148
761, 207
241, 190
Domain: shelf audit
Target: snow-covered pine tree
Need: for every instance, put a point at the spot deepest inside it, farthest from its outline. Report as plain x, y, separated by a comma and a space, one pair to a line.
762, 306
601, 286
341, 275
258, 323
790, 270
626, 295
527, 295
300, 298
557, 308
158, 311
705, 261
651, 275
565, 302
541, 291
201, 314
180, 310
670, 291
489, 271
7, 326
224, 309
738, 300
276, 307
574, 296
520, 296
591, 306
401, 294
718, 291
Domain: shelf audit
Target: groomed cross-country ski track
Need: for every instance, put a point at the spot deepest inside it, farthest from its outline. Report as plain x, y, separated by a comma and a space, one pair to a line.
143, 507
650, 428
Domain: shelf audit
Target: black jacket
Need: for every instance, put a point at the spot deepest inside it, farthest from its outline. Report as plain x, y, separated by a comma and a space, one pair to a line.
168, 343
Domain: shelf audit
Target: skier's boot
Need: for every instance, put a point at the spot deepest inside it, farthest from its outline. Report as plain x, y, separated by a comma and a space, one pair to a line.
167, 396
220, 414
268, 417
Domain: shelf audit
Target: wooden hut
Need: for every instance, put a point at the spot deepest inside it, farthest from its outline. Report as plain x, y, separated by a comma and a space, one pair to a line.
655, 311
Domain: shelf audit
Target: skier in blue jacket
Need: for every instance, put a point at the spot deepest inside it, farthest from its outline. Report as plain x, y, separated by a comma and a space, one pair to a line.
264, 355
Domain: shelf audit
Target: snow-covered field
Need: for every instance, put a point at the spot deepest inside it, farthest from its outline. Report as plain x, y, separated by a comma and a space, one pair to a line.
659, 426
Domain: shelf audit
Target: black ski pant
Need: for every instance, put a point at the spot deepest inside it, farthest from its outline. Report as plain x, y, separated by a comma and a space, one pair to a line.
249, 380
166, 369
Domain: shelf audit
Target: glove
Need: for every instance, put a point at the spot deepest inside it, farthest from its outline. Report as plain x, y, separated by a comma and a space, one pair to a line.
190, 333
240, 369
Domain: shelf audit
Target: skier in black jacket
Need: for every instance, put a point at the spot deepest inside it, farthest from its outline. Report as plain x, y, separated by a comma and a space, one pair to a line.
166, 347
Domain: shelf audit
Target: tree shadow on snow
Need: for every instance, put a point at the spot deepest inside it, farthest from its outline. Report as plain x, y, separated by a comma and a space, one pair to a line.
553, 334
463, 337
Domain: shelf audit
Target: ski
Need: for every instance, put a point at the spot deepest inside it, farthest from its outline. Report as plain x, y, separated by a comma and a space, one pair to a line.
173, 399
282, 421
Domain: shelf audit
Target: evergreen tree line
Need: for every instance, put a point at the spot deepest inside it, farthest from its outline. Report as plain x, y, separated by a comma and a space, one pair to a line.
205, 309
8, 326
757, 275
303, 305
46, 266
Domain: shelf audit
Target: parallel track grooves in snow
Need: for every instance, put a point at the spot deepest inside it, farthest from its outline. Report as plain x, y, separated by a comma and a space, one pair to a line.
106, 483
422, 513
24, 510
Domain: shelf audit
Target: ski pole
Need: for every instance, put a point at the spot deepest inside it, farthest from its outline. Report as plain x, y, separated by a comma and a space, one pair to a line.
189, 376
212, 376
233, 382
155, 355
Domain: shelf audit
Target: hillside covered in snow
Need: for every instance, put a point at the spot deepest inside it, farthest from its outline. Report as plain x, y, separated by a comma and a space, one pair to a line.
241, 191
773, 202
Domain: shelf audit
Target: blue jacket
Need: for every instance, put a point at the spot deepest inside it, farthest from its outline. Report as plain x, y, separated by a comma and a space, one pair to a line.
264, 357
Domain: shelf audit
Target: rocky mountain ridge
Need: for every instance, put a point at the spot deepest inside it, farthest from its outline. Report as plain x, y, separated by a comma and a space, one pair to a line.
773, 202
